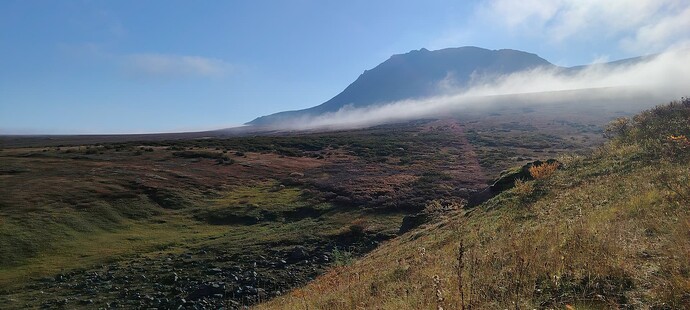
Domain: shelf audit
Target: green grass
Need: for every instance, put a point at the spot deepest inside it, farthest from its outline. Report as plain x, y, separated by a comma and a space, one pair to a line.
81, 249
268, 196
57, 217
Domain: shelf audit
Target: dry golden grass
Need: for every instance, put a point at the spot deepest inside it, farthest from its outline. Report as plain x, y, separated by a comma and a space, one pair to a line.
613, 238
543, 171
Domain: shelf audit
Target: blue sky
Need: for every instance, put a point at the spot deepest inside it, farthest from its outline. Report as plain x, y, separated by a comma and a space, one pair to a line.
159, 66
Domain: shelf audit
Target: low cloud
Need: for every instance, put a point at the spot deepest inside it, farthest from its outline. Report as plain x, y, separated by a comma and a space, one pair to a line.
660, 78
161, 65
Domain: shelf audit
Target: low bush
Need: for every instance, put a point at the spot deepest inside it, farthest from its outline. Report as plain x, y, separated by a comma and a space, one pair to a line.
661, 132
543, 171
342, 257
199, 154
523, 188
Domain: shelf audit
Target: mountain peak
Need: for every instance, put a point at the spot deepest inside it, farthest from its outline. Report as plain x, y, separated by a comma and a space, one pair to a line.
416, 74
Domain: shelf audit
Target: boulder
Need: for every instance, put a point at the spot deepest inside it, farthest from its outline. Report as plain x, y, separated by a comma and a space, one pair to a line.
298, 253
412, 221
506, 180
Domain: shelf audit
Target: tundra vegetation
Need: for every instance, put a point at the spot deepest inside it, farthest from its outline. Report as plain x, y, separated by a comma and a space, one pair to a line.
609, 229
241, 220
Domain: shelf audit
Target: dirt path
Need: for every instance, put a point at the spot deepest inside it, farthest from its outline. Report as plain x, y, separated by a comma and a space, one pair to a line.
464, 163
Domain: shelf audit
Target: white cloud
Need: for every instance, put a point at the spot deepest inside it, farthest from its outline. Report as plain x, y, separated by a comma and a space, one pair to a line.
521, 13
641, 26
161, 65
663, 32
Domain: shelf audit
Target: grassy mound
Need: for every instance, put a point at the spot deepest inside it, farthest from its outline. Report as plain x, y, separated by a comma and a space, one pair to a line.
608, 230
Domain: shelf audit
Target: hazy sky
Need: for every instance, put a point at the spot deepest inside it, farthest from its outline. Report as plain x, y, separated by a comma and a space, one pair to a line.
154, 66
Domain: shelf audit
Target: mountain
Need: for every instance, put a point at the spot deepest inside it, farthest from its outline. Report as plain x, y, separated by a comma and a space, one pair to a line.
418, 74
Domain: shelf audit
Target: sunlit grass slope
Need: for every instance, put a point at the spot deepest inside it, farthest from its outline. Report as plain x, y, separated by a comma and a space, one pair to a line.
608, 230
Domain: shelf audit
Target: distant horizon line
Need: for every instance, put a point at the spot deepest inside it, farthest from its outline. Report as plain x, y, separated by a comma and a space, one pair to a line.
5, 134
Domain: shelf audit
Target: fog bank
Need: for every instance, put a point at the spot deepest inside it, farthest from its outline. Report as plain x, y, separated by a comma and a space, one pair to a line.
654, 80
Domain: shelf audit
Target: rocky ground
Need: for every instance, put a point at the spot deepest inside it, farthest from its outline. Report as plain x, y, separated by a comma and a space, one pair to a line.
201, 279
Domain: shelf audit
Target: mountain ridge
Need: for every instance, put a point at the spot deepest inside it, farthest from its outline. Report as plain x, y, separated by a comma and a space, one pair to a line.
422, 73
416, 74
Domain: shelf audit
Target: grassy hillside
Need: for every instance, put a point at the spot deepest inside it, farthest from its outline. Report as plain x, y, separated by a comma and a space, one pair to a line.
607, 230
211, 222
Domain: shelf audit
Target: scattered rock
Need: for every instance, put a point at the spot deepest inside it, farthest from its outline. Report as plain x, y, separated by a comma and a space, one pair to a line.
206, 290
215, 271
198, 279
